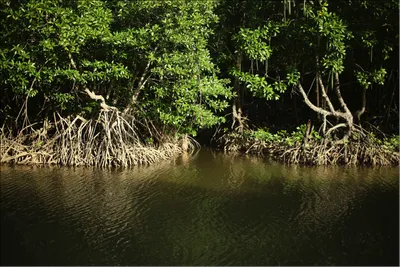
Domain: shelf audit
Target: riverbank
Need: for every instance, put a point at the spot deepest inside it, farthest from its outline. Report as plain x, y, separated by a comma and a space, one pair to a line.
115, 140
307, 147
110, 140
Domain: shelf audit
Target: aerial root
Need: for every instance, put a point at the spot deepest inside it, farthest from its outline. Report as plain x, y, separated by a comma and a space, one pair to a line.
316, 152
111, 140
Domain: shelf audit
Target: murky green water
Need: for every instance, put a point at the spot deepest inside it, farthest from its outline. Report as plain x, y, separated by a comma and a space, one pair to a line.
212, 209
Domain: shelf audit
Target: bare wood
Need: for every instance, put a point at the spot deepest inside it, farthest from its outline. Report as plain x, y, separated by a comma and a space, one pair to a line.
340, 125
237, 101
311, 105
339, 95
103, 104
317, 91
347, 116
360, 112
324, 126
325, 96
307, 134
141, 83
91, 94
71, 60
9, 159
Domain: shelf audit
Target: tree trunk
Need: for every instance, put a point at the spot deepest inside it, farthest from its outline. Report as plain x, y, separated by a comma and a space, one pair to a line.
185, 143
389, 107
237, 101
360, 112
307, 134
317, 95
346, 115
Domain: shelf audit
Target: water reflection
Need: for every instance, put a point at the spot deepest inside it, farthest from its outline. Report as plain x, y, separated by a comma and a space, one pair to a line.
203, 209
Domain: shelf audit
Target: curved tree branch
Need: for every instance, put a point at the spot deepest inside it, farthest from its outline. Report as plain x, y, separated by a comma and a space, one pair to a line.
325, 96
91, 94
103, 104
360, 112
347, 115
311, 105
339, 95
340, 125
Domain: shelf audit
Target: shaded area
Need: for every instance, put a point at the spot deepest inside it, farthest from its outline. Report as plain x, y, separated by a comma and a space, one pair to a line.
212, 209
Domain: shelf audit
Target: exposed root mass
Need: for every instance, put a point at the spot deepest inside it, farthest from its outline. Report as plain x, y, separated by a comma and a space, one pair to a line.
111, 140
364, 151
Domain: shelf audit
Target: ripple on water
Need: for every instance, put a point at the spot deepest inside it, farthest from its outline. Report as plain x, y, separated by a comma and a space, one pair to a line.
209, 211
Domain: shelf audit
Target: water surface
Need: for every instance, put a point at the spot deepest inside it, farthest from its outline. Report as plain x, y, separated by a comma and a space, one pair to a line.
211, 209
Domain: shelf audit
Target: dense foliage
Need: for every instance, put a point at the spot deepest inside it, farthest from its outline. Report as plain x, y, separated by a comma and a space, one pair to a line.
187, 67
150, 57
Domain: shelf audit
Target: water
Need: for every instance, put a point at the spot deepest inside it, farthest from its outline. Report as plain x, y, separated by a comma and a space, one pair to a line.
212, 209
